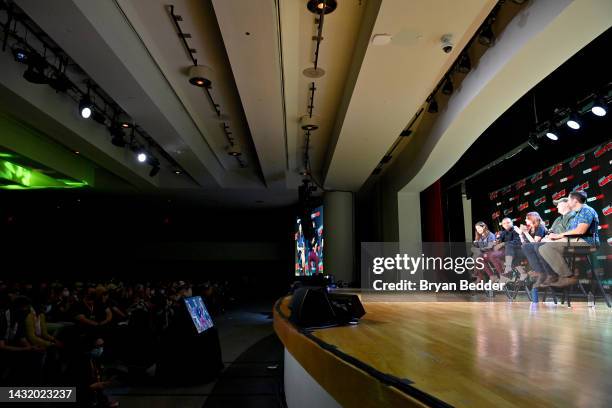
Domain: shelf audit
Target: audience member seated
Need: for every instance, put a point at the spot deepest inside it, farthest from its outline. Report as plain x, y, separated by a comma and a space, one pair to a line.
582, 230
20, 361
483, 242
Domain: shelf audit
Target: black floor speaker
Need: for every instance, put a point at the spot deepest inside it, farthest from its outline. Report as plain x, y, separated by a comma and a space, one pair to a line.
314, 307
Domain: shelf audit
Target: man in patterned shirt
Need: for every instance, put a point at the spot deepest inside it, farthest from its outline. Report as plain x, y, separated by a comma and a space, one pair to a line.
585, 224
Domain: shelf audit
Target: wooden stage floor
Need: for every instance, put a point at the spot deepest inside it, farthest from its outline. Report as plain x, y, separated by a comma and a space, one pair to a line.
488, 354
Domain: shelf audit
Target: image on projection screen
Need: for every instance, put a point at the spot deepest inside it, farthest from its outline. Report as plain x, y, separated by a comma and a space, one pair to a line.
309, 243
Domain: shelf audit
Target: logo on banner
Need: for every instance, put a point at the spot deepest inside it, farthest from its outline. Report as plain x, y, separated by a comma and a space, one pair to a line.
493, 195
526, 193
507, 211
564, 179
555, 169
604, 180
607, 211
593, 198
603, 149
522, 206
577, 160
506, 190
547, 185
539, 201
590, 169
537, 177
582, 187
513, 198
520, 184
558, 195
496, 215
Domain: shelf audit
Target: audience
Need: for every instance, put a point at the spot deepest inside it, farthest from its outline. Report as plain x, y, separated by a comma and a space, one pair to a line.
71, 330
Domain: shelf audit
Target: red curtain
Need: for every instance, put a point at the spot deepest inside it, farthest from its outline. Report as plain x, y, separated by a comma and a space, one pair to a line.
431, 212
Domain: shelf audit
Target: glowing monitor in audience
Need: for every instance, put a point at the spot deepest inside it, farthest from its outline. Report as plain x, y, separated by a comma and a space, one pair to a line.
199, 315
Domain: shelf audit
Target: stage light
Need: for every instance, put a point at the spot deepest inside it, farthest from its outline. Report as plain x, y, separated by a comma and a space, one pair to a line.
142, 157
465, 65
551, 135
21, 54
486, 36
59, 82
35, 74
573, 122
98, 117
234, 150
118, 136
433, 106
200, 76
447, 87
309, 123
599, 108
318, 6
533, 143
85, 107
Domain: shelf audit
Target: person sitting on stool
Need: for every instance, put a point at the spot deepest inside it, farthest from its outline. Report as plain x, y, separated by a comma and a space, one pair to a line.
584, 223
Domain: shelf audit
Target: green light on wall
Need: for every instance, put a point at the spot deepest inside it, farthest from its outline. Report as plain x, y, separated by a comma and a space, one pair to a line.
16, 177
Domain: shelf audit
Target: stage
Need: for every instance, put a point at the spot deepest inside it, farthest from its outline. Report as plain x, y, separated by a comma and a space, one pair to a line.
464, 354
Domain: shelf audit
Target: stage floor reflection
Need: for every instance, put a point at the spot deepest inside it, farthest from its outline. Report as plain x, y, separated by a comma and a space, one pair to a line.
488, 354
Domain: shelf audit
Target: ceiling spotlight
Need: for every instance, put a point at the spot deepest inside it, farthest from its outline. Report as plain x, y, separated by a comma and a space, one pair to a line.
98, 117
599, 108
486, 36
573, 122
552, 135
447, 87
142, 157
118, 137
36, 70
85, 107
433, 106
21, 54
533, 143
59, 82
234, 150
309, 123
321, 6
178, 172
126, 125
465, 65
200, 76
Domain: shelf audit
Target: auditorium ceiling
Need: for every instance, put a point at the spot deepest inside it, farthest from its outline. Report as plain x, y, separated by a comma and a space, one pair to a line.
381, 60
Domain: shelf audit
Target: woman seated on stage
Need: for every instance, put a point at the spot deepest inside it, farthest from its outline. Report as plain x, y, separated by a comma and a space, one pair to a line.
483, 242
531, 234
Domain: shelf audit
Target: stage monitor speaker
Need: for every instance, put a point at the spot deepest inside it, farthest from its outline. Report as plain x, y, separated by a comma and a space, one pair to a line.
312, 307
347, 308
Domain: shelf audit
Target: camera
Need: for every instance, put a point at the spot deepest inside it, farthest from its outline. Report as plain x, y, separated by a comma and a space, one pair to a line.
447, 44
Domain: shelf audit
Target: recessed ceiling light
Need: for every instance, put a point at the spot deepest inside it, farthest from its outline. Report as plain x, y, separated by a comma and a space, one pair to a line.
381, 39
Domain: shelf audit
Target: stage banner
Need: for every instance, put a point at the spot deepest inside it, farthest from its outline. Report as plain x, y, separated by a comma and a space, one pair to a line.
456, 271
589, 171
